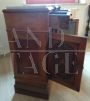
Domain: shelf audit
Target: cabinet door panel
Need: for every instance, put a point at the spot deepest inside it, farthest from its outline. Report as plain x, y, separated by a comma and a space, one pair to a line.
27, 63
65, 62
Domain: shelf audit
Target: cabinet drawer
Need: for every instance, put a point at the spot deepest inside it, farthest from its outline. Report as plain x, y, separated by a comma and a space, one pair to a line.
37, 22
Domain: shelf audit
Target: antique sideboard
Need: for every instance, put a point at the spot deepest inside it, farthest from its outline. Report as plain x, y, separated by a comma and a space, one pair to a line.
36, 49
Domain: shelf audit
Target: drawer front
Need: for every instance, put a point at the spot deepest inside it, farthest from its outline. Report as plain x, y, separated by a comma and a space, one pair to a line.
37, 22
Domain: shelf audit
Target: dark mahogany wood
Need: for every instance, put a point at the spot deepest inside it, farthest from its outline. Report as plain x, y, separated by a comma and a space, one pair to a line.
75, 47
19, 22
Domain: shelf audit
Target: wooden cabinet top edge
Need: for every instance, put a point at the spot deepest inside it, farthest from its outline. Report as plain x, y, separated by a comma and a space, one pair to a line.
29, 10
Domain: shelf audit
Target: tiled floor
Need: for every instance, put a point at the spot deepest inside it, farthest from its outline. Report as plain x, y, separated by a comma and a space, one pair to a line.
57, 93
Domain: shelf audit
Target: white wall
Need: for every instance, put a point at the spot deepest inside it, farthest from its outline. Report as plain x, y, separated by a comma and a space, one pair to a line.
81, 14
3, 36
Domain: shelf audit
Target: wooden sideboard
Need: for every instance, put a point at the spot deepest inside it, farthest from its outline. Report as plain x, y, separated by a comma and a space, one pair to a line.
29, 40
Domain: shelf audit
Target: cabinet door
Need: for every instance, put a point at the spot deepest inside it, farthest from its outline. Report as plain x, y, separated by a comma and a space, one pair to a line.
28, 59
65, 60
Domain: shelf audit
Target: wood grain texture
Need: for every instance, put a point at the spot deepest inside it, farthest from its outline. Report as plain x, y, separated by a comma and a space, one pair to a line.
38, 22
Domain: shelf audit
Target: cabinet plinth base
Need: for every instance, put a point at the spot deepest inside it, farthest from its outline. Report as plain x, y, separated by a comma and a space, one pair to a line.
32, 91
